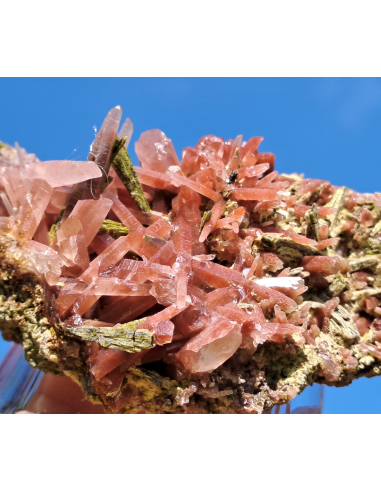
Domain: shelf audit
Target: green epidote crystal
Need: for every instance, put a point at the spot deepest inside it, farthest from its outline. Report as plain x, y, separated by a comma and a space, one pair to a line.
313, 222
337, 201
125, 171
157, 241
364, 262
125, 337
342, 324
115, 229
338, 284
286, 248
52, 234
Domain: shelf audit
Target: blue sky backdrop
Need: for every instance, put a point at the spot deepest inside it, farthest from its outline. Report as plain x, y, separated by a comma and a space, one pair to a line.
326, 128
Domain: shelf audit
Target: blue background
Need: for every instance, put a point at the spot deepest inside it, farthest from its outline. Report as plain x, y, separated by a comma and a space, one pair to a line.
326, 128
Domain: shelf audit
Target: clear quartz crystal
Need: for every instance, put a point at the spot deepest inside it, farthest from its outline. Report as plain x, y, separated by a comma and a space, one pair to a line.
127, 129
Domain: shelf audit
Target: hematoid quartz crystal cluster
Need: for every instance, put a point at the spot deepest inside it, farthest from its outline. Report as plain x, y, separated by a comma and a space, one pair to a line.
210, 285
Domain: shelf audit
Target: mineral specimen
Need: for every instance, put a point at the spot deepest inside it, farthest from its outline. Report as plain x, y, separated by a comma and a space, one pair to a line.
209, 284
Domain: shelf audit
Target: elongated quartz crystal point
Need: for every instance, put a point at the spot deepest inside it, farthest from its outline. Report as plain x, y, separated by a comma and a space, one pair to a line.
66, 173
210, 285
91, 215
100, 154
102, 148
126, 130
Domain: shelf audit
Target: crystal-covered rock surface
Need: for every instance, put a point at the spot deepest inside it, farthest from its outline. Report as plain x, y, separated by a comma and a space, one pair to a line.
207, 284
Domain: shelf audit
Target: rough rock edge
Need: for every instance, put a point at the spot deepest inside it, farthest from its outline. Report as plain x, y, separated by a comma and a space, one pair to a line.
273, 375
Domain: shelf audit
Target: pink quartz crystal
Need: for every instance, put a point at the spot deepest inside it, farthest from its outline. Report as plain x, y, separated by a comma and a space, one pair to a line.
91, 214
324, 265
217, 210
212, 347
254, 194
164, 332
155, 151
106, 360
61, 173
122, 212
127, 309
31, 210
199, 188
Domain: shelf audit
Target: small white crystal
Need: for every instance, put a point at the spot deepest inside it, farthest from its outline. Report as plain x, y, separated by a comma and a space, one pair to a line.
285, 282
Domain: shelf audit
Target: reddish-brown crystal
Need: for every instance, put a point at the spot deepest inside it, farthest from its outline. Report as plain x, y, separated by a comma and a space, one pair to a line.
254, 194
106, 360
164, 332
324, 265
